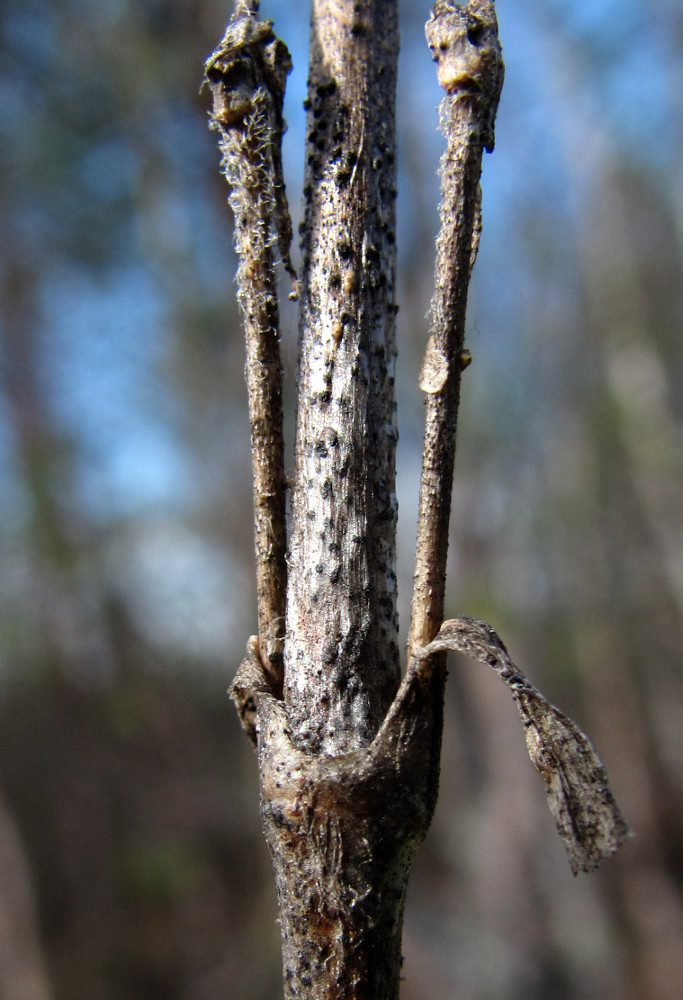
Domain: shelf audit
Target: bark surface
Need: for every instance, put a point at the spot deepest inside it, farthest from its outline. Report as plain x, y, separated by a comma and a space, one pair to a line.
247, 74
341, 650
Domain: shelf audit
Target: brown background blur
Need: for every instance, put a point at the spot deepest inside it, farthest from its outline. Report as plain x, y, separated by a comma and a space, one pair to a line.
131, 861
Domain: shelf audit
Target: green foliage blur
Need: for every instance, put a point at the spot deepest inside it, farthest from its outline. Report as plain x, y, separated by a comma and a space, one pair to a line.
131, 860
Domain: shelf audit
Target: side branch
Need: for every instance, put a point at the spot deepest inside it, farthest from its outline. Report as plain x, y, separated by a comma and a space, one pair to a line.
247, 74
464, 43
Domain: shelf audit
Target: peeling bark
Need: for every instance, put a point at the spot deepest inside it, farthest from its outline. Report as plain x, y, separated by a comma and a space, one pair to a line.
588, 819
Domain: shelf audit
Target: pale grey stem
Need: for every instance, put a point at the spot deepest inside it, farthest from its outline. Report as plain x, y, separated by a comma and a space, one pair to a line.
341, 651
465, 46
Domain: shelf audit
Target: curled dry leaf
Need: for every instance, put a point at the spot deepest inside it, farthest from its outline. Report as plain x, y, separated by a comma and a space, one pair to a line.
588, 819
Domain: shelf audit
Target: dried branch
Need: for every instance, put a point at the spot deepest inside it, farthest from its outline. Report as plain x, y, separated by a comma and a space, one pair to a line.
588, 819
349, 765
247, 74
464, 43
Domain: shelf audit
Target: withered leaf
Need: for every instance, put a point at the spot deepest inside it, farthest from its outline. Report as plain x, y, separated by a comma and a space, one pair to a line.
588, 819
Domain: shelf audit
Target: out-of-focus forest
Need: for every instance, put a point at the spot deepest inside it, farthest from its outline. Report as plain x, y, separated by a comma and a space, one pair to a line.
131, 859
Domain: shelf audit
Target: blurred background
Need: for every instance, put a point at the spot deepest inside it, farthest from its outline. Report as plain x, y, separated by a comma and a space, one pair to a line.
132, 865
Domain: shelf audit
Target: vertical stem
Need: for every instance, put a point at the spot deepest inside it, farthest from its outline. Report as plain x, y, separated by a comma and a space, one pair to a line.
264, 386
341, 655
247, 74
464, 42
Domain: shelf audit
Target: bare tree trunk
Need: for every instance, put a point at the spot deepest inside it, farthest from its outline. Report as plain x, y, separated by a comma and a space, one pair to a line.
22, 972
348, 757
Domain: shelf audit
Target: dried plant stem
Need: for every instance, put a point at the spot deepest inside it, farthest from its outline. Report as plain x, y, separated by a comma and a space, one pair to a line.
264, 386
348, 758
247, 74
464, 41
342, 664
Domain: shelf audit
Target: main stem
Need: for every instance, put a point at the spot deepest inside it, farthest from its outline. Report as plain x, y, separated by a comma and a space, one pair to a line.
341, 650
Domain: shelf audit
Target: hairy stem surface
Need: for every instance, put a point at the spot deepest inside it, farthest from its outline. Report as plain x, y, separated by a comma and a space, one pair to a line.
246, 74
464, 43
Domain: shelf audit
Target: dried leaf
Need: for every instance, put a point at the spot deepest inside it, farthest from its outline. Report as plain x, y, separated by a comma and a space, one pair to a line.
588, 819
